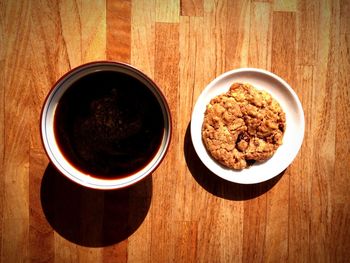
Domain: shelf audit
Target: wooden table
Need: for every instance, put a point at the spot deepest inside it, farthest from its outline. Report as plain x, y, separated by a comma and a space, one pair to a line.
182, 213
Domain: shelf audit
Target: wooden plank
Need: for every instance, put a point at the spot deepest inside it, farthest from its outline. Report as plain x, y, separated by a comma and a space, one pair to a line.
260, 36
40, 231
191, 83
192, 70
283, 64
344, 17
69, 13
341, 179
231, 242
301, 175
167, 76
15, 60
15, 240
285, 5
2, 152
143, 35
16, 92
254, 229
167, 11
323, 130
86, 41
116, 253
65, 251
3, 44
237, 34
142, 57
276, 239
284, 35
186, 243
139, 243
209, 231
118, 30
193, 79
307, 32
340, 192
215, 20
91, 232
115, 226
191, 7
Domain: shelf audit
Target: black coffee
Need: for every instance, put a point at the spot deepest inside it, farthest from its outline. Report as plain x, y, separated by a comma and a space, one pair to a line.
108, 124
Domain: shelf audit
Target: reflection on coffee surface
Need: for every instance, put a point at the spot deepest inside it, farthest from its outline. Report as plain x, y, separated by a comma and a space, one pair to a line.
108, 124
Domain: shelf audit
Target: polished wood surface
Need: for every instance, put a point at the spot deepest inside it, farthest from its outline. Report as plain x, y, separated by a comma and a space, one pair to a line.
182, 213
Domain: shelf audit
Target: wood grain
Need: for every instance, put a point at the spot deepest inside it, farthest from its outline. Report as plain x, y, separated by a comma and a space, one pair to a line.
2, 113
215, 14
340, 197
167, 11
344, 17
307, 32
118, 17
16, 92
163, 212
278, 203
260, 35
237, 34
182, 212
143, 35
324, 131
190, 77
300, 194
191, 7
285, 5
40, 231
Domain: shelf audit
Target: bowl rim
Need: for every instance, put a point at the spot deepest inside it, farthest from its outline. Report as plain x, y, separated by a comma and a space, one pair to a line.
162, 101
196, 110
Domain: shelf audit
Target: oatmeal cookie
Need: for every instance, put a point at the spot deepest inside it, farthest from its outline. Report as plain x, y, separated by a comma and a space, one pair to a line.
242, 126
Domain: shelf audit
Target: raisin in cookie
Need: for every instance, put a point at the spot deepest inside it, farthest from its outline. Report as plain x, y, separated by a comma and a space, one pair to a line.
242, 126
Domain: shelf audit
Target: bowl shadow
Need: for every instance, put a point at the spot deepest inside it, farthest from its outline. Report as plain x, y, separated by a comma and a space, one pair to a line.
218, 186
93, 218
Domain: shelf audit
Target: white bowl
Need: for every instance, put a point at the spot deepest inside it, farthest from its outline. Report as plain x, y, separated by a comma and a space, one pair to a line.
292, 139
52, 149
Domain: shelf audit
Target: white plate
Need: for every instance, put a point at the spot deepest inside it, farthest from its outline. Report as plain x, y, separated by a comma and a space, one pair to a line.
292, 139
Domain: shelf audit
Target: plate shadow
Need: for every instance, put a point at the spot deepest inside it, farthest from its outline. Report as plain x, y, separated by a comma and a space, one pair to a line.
218, 186
93, 218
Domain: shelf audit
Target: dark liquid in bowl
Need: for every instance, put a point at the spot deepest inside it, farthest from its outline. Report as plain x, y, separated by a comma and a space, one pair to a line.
108, 124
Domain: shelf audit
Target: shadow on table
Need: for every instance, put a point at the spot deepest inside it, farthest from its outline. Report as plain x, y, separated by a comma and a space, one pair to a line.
218, 186
93, 218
